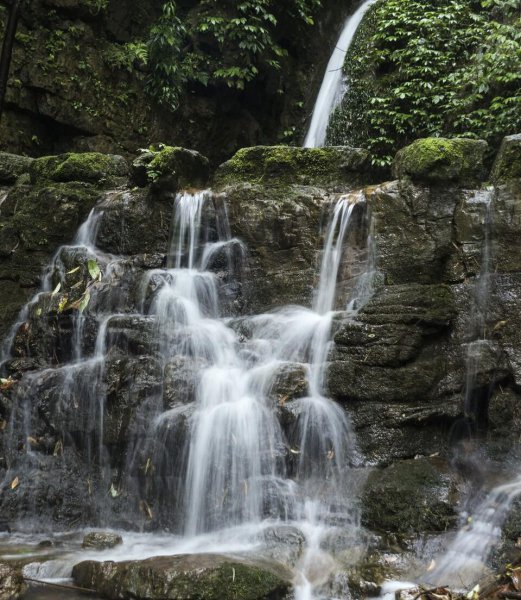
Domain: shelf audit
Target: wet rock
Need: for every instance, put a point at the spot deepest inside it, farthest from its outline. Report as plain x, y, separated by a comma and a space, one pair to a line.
130, 382
442, 161
340, 166
101, 540
411, 496
508, 161
180, 381
12, 166
283, 544
185, 577
413, 231
133, 334
125, 227
289, 382
279, 227
12, 585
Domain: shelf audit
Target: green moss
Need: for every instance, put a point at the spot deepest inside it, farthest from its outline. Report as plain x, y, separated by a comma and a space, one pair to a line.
12, 166
92, 167
441, 160
285, 165
188, 167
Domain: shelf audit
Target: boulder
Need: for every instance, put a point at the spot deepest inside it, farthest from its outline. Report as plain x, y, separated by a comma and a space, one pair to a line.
442, 161
101, 540
12, 166
90, 167
180, 167
184, 577
12, 584
337, 166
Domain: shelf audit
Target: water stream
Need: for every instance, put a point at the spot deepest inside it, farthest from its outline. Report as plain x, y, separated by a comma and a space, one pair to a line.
238, 472
333, 85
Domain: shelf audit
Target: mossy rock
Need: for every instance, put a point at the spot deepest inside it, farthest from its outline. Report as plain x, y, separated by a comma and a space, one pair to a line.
12, 166
184, 577
508, 162
90, 167
409, 497
180, 167
442, 161
285, 165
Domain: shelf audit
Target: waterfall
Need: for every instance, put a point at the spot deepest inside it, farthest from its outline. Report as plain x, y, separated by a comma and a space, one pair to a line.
227, 452
333, 86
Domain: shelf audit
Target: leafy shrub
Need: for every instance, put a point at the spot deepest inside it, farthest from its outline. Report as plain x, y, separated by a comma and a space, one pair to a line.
224, 42
431, 68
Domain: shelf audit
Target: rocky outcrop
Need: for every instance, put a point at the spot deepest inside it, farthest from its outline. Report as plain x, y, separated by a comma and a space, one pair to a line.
399, 367
186, 577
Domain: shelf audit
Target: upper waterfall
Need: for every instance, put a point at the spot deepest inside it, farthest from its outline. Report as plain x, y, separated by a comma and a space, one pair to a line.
333, 88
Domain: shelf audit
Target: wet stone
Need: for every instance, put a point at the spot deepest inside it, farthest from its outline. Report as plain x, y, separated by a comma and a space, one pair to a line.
99, 540
12, 585
184, 577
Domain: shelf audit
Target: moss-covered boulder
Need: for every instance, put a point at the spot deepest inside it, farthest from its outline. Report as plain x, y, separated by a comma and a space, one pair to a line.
172, 165
184, 577
90, 167
442, 161
12, 166
508, 161
409, 497
284, 165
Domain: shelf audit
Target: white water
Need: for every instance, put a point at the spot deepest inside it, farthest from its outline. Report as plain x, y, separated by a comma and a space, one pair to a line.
333, 85
464, 561
240, 471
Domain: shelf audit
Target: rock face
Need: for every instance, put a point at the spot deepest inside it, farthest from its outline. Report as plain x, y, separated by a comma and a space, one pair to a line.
79, 80
185, 577
399, 367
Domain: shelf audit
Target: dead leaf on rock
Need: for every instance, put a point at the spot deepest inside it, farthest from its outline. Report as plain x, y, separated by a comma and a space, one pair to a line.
15, 483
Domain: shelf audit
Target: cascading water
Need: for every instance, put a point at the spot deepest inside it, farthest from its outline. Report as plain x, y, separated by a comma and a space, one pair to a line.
333, 85
218, 456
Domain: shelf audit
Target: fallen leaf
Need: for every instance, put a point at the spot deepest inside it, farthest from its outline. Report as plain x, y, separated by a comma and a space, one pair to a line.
431, 566
6, 384
143, 505
93, 267
84, 302
56, 289
32, 441
73, 271
63, 303
15, 483
58, 448
499, 325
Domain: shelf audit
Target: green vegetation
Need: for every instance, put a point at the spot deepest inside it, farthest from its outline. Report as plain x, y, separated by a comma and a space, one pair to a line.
223, 43
432, 68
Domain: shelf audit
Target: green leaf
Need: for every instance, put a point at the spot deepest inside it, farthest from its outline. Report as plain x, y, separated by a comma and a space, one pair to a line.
94, 270
84, 302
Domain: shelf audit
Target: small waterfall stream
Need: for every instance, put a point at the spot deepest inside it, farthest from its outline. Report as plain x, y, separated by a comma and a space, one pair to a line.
333, 86
238, 469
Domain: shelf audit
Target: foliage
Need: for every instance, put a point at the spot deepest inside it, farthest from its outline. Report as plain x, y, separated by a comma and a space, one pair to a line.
222, 43
432, 68
125, 57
